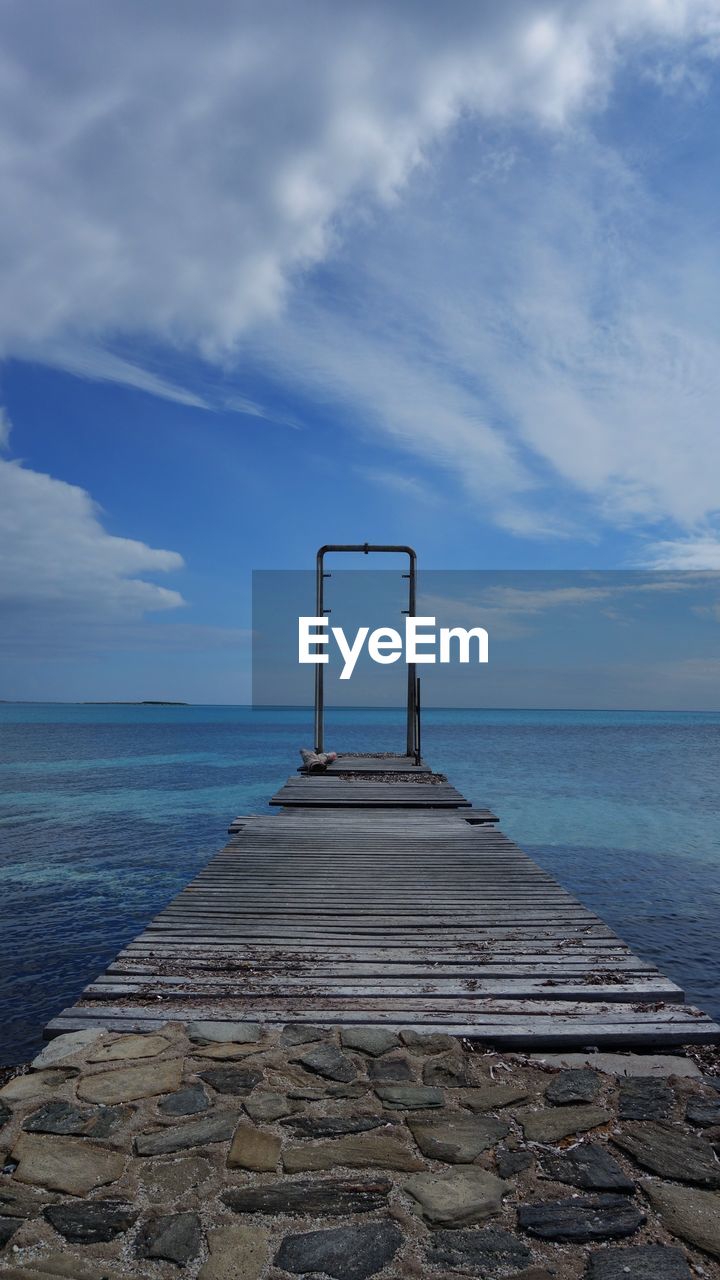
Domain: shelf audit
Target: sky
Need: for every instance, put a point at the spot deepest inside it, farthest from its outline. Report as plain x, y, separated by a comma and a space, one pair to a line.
279, 274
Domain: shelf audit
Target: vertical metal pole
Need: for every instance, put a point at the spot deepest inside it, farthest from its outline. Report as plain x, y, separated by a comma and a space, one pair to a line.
319, 669
418, 752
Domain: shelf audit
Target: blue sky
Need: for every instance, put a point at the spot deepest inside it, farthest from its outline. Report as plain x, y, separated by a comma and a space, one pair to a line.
279, 274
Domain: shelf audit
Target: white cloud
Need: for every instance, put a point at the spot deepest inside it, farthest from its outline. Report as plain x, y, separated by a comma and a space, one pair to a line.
59, 564
686, 553
5, 428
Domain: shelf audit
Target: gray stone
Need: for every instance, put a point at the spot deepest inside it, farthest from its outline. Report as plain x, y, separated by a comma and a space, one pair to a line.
254, 1149
372, 1040
704, 1112
512, 1162
267, 1106
196, 1133
553, 1123
298, 1033
94, 1222
670, 1152
392, 1070
713, 1082
63, 1046
645, 1098
329, 1062
482, 1252
582, 1218
81, 1122
459, 1197
355, 1151
18, 1201
130, 1083
623, 1064
428, 1041
345, 1253
8, 1227
577, 1084
449, 1071
73, 1165
5, 1114
639, 1262
334, 1126
589, 1166
489, 1097
332, 1197
456, 1138
236, 1080
189, 1101
407, 1097
175, 1236
36, 1084
119, 1048
167, 1181
224, 1032
236, 1253
693, 1215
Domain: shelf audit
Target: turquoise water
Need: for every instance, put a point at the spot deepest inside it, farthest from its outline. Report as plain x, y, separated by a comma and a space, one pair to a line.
107, 811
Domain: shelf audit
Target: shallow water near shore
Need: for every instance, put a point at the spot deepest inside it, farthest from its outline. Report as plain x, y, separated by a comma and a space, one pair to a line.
107, 811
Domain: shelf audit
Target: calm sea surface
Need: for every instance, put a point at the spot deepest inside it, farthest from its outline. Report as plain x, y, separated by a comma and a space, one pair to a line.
106, 812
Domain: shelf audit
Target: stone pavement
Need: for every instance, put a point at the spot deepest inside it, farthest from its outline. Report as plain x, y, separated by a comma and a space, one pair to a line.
231, 1152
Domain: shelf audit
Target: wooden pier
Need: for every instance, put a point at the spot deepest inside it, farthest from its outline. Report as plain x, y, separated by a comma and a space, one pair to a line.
379, 895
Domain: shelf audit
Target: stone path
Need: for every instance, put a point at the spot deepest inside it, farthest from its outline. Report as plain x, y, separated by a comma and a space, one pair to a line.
235, 1152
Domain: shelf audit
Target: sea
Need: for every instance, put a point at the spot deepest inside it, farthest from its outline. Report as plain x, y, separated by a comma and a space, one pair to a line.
106, 811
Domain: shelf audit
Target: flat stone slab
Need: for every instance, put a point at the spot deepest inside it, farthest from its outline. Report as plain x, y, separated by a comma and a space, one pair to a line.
226, 1051
195, 1133
165, 1181
224, 1032
333, 1197
174, 1236
64, 1046
8, 1227
645, 1098
669, 1151
490, 1097
127, 1084
455, 1138
509, 1163
254, 1149
589, 1166
686, 1212
553, 1123
575, 1084
449, 1071
327, 1061
189, 1101
95, 1222
355, 1151
134, 1046
401, 1097
267, 1107
73, 1165
236, 1253
480, 1252
345, 1253
459, 1197
623, 1064
372, 1040
36, 1083
301, 1033
582, 1218
704, 1112
333, 1126
639, 1262
394, 1069
236, 1080
82, 1122
428, 1041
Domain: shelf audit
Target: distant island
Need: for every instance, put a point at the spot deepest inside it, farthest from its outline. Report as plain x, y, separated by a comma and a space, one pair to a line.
146, 702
